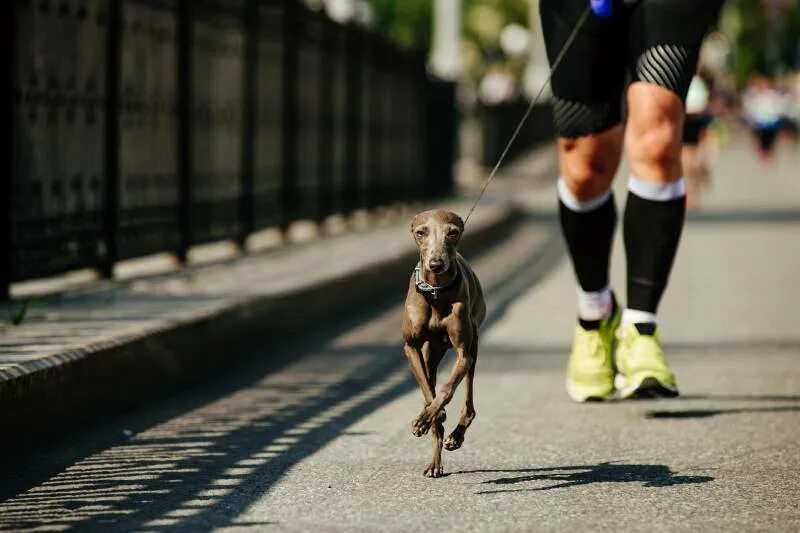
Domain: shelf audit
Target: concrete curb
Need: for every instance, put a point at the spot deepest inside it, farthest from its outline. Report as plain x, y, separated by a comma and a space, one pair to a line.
99, 380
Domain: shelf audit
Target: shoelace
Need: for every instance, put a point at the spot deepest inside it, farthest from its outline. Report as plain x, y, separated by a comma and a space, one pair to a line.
636, 358
592, 344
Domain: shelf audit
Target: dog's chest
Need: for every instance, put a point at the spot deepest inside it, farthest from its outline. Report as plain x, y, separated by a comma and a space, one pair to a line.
437, 326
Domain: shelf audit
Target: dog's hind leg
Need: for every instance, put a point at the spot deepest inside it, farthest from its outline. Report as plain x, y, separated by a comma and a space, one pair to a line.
456, 438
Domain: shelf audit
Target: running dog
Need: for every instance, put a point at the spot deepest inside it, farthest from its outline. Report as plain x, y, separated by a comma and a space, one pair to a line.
444, 309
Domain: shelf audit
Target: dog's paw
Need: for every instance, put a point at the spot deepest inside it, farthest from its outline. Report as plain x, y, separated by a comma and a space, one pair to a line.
434, 470
422, 424
454, 441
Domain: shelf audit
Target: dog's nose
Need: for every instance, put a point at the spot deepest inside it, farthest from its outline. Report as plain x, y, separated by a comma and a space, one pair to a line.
436, 265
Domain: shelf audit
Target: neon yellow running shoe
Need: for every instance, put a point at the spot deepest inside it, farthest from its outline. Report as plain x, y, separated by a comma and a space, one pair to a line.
643, 372
590, 368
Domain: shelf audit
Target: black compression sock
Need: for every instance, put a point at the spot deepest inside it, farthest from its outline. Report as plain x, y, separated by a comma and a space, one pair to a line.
652, 229
589, 325
646, 328
588, 235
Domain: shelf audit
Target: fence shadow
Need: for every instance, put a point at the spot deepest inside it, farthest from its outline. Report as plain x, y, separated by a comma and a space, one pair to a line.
203, 467
572, 476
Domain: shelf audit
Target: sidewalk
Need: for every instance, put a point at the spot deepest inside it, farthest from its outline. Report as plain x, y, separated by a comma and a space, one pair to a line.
103, 348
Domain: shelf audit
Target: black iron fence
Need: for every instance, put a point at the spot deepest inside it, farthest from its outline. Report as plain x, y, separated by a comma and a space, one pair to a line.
498, 123
141, 126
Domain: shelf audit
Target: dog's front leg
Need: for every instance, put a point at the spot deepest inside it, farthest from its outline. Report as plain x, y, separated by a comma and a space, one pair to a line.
415, 361
431, 411
432, 354
435, 468
414, 356
460, 331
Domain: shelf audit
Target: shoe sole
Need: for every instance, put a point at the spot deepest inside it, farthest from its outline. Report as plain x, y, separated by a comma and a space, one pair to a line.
647, 388
580, 398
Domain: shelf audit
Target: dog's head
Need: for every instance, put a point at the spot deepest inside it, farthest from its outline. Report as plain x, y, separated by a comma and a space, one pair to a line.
437, 233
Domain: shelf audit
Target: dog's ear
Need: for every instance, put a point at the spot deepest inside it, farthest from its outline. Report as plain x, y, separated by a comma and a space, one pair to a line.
414, 223
458, 222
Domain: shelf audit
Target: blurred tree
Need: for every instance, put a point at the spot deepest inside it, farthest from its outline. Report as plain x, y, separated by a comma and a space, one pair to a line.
410, 22
765, 33
406, 21
484, 22
766, 36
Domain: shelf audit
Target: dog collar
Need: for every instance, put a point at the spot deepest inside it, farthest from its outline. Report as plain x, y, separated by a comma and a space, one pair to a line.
427, 288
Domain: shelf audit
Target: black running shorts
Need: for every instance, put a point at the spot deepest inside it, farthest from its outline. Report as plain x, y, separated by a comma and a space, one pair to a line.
693, 128
656, 41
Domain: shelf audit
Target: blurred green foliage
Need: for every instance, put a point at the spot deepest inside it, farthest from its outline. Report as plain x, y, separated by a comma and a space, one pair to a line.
484, 21
406, 21
765, 34
410, 22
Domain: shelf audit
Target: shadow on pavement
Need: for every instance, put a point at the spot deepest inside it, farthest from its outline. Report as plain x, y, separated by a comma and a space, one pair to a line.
571, 476
742, 397
709, 412
705, 413
203, 467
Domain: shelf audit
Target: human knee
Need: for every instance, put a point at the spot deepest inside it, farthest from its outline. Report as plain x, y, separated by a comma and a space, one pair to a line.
587, 175
588, 164
655, 125
656, 143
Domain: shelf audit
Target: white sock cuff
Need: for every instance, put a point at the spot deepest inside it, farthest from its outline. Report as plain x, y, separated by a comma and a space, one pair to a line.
633, 316
595, 305
657, 192
579, 206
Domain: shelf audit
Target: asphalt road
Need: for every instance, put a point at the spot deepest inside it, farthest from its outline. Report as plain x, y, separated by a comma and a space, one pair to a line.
316, 435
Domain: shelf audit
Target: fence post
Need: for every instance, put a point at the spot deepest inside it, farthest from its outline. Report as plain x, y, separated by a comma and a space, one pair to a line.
327, 51
249, 116
441, 125
288, 194
111, 141
185, 108
353, 66
7, 158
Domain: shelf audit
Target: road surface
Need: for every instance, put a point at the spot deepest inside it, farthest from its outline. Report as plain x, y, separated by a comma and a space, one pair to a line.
315, 435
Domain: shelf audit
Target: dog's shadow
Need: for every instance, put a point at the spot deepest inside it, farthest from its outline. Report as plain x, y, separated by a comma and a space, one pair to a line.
571, 476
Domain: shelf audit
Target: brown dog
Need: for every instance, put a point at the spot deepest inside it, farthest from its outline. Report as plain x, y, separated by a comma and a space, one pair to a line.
444, 308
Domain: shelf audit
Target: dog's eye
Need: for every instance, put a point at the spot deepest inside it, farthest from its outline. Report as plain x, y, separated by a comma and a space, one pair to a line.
420, 233
453, 233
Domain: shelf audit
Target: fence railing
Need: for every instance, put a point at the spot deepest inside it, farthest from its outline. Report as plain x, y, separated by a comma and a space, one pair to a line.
142, 126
